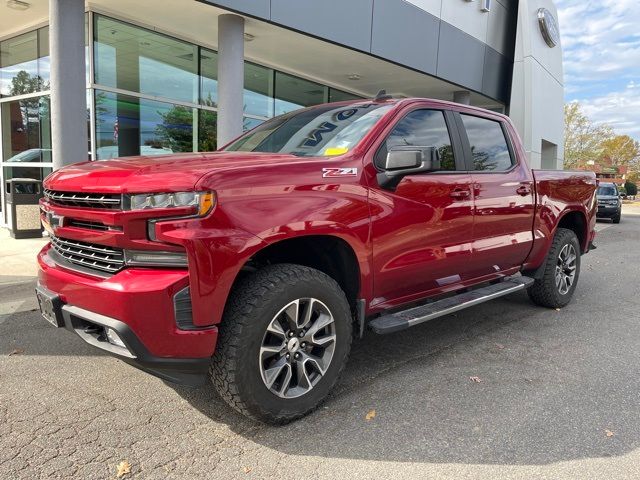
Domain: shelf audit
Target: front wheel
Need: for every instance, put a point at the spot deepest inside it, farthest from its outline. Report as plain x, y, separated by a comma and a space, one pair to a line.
561, 272
284, 339
616, 219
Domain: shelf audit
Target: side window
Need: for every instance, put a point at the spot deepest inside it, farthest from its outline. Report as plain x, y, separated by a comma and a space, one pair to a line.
423, 128
488, 144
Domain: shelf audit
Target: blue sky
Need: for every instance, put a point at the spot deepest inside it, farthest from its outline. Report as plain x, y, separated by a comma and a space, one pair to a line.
601, 47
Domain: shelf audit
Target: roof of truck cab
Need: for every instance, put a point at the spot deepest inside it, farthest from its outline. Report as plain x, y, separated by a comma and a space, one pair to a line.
401, 102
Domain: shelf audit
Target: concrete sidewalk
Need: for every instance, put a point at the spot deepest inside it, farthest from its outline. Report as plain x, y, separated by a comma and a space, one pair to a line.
17, 270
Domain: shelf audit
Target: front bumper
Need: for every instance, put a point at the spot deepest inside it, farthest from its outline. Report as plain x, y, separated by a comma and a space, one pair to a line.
138, 305
608, 211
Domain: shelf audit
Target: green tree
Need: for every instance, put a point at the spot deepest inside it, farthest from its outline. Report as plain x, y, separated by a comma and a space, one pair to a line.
24, 83
583, 140
622, 150
176, 129
631, 188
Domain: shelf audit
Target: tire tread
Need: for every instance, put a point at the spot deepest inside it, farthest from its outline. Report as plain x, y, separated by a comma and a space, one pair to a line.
244, 299
543, 292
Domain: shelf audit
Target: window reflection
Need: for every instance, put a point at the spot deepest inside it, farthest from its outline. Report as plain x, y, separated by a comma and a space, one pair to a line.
140, 60
127, 126
340, 96
208, 77
21, 69
258, 90
293, 93
207, 130
421, 128
26, 130
36, 173
488, 144
249, 123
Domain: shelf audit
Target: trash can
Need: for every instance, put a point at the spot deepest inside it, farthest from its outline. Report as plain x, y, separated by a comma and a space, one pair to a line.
23, 209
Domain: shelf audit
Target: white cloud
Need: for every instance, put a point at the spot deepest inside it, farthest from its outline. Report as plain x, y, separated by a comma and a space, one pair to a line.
601, 45
619, 109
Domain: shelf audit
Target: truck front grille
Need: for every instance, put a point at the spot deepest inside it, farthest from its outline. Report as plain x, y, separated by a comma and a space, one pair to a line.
87, 225
98, 257
87, 200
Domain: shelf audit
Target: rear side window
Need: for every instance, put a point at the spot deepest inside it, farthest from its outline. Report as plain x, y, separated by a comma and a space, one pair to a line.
489, 148
421, 128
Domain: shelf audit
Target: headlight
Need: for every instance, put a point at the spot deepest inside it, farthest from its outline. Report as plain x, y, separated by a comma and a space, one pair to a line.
150, 258
202, 202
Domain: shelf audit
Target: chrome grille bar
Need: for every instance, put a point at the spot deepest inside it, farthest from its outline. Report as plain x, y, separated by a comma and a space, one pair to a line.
92, 200
89, 255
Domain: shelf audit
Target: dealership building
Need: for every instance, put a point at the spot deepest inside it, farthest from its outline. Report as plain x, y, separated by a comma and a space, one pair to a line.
113, 78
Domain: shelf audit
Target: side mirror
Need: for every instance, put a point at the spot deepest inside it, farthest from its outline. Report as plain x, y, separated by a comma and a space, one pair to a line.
406, 160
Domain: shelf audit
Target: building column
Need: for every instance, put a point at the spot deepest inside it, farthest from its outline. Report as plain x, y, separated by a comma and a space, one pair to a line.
230, 77
68, 85
462, 96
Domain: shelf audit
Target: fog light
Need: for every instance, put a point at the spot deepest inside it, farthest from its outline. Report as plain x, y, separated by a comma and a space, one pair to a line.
114, 338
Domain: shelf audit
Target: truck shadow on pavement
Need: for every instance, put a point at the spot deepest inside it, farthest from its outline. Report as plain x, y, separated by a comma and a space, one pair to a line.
532, 400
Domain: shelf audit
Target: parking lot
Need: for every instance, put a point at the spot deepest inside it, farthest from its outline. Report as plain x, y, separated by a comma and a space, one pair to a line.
556, 395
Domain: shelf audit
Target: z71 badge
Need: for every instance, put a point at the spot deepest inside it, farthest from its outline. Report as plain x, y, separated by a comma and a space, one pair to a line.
340, 172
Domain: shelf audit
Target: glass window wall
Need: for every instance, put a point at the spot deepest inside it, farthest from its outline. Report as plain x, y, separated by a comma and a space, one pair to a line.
24, 63
26, 130
207, 130
208, 77
293, 92
258, 90
127, 125
140, 60
336, 95
32, 171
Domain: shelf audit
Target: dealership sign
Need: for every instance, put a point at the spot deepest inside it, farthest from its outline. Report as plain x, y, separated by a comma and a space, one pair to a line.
548, 27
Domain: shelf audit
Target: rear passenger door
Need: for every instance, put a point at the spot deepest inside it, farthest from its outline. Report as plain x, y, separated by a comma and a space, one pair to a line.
503, 195
422, 228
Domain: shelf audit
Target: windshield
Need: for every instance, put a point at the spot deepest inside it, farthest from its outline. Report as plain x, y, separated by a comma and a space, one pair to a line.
607, 190
326, 130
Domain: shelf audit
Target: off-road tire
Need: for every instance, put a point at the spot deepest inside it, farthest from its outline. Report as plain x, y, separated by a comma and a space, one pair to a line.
544, 291
235, 370
617, 218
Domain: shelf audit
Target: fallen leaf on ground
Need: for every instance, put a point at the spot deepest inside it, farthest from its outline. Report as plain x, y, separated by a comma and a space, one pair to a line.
16, 351
246, 469
557, 309
123, 467
499, 346
475, 379
609, 433
370, 415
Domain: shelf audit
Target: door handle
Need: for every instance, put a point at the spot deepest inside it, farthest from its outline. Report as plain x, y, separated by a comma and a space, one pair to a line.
460, 194
523, 190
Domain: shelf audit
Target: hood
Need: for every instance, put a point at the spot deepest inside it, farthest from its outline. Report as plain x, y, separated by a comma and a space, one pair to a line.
146, 174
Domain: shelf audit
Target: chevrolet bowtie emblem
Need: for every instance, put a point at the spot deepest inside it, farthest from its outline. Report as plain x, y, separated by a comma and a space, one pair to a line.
54, 220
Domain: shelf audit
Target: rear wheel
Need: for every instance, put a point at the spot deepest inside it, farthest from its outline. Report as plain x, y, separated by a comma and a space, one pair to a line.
284, 340
562, 269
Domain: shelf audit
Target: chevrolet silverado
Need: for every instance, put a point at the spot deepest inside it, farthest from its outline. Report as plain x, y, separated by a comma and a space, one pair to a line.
256, 265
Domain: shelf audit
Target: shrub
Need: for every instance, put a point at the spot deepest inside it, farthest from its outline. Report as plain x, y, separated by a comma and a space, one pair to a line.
631, 189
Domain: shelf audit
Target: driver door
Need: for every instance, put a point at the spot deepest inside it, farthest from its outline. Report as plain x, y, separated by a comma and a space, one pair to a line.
423, 227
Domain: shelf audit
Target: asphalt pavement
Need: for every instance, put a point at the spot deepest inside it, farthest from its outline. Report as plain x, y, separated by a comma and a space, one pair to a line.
504, 390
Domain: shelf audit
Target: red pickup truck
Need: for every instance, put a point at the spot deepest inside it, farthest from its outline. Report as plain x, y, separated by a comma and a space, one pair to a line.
257, 264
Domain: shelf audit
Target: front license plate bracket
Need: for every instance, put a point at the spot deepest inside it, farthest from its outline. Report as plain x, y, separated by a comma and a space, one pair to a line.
50, 306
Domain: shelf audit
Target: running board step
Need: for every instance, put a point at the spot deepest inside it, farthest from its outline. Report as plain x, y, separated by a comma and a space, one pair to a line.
395, 322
